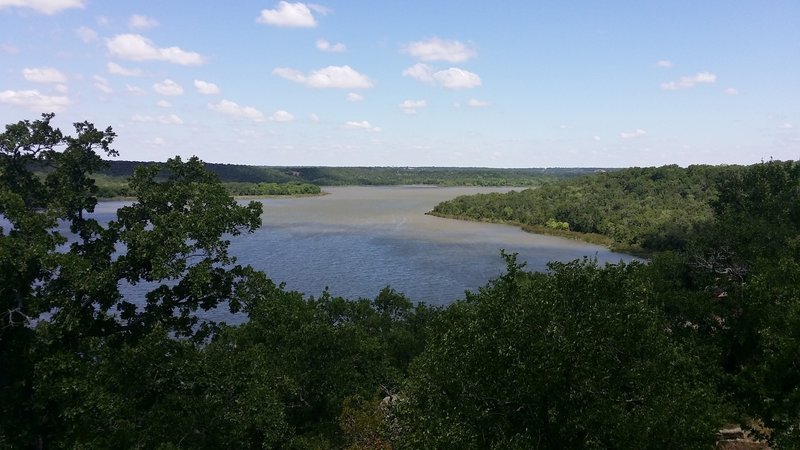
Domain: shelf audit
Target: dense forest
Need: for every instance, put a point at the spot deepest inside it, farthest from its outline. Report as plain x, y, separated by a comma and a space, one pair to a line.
650, 208
645, 355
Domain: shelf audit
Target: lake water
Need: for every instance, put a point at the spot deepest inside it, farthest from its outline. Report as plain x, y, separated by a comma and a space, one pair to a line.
357, 240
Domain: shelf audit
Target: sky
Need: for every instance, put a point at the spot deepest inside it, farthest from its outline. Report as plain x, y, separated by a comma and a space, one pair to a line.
414, 83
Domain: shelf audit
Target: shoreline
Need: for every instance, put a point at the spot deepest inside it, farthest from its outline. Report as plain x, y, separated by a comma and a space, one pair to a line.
235, 197
589, 238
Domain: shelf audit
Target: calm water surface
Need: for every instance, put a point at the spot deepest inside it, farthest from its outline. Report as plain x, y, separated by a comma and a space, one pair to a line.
357, 240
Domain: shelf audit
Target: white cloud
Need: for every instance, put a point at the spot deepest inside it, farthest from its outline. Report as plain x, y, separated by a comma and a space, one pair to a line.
281, 116
171, 119
157, 141
731, 91
452, 78
474, 103
353, 97
690, 81
102, 84
44, 75
326, 46
664, 63
134, 90
48, 7
163, 104
288, 15
341, 77
61, 88
411, 106
362, 125
436, 49
455, 78
596, 138
116, 69
785, 126
233, 109
143, 22
135, 47
314, 118
420, 72
34, 100
168, 87
206, 88
86, 34
632, 134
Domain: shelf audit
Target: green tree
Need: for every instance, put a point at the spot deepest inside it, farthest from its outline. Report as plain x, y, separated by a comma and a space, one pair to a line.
575, 358
59, 290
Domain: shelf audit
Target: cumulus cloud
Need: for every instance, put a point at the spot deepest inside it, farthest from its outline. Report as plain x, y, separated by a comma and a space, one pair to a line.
664, 63
116, 69
288, 15
452, 78
353, 97
341, 77
171, 119
206, 88
474, 103
34, 100
281, 116
102, 84
596, 138
163, 104
731, 91
168, 87
86, 34
785, 126
411, 106
157, 141
420, 72
436, 49
313, 117
48, 7
142, 22
135, 47
44, 75
326, 46
632, 134
233, 109
690, 81
362, 125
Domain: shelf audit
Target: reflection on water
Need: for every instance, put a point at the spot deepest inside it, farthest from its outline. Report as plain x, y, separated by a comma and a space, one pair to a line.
358, 240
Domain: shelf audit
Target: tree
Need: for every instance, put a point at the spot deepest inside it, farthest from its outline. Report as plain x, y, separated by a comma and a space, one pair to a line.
575, 358
61, 270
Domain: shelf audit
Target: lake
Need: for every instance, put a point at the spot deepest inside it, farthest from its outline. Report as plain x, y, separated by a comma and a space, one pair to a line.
357, 240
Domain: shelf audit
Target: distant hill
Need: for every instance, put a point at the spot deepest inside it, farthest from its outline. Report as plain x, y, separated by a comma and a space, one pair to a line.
339, 176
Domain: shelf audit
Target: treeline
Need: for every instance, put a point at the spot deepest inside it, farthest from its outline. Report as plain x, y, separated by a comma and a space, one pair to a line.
272, 188
629, 356
651, 208
350, 176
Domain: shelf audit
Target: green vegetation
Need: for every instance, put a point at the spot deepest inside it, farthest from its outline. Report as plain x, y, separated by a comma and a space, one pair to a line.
629, 356
654, 208
371, 176
254, 180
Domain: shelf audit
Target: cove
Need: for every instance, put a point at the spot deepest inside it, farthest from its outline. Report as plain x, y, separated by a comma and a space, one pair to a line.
357, 240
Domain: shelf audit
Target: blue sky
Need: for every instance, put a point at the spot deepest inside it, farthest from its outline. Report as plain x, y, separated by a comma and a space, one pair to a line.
412, 83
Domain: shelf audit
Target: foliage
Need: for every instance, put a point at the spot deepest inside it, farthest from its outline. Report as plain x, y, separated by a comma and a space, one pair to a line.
571, 359
652, 355
654, 208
